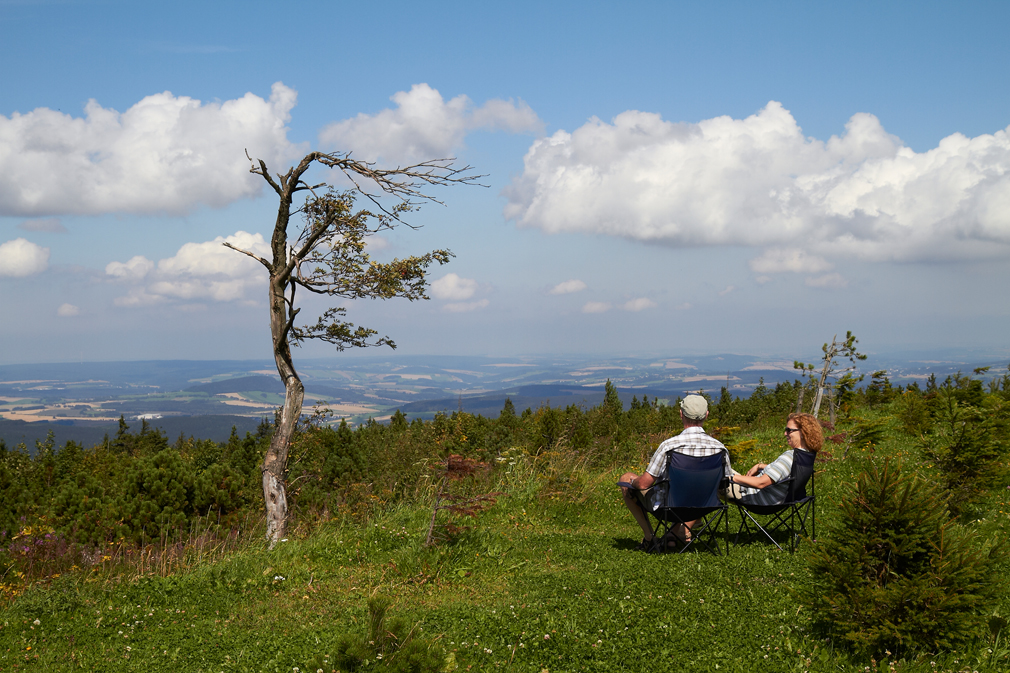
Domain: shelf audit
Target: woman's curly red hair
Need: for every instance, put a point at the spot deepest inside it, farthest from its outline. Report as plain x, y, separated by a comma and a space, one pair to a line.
810, 430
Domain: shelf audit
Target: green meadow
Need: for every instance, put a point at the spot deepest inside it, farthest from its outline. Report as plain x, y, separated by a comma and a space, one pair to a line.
542, 578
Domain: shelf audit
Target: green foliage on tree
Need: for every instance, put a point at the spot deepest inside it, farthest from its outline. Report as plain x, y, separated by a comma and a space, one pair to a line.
611, 400
913, 412
893, 573
968, 442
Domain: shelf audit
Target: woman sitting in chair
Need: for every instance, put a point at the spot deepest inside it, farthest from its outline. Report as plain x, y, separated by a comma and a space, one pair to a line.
762, 485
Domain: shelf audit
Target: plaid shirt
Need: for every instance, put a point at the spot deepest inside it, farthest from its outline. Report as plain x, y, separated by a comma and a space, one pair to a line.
692, 442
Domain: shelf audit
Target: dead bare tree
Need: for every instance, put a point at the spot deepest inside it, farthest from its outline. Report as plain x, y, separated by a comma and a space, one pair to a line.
327, 256
830, 368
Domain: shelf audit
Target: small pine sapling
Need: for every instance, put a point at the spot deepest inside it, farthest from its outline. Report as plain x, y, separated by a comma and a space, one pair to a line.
894, 573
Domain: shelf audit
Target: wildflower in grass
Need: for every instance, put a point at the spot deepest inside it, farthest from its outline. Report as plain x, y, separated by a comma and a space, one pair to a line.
37, 623
547, 636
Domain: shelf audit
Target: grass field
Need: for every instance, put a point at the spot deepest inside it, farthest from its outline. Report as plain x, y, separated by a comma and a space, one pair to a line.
545, 580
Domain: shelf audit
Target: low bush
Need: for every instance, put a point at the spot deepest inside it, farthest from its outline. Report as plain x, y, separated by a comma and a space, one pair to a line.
968, 444
894, 575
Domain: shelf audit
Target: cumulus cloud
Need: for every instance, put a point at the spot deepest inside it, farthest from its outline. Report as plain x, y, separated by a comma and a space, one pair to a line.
595, 307
198, 272
453, 288
568, 287
639, 304
464, 307
166, 153
20, 258
760, 182
50, 225
829, 280
67, 310
729, 288
788, 259
424, 126
135, 269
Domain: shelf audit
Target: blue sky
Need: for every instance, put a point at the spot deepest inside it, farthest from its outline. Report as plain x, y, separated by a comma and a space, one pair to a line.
663, 178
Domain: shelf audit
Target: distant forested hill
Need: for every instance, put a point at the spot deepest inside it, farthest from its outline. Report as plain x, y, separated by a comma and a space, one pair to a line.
216, 428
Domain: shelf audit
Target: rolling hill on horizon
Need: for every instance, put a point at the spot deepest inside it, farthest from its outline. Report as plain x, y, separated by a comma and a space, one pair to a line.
205, 399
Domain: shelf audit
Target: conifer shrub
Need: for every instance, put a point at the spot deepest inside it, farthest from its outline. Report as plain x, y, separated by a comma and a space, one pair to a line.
968, 444
391, 644
220, 490
158, 496
895, 573
913, 413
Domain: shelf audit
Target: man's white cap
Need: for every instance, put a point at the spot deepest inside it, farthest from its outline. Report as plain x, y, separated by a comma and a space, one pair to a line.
694, 407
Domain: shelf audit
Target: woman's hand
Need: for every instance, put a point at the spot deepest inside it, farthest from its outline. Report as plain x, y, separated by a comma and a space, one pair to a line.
757, 468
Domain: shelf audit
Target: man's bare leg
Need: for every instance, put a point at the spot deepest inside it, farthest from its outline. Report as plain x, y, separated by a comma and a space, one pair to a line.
632, 504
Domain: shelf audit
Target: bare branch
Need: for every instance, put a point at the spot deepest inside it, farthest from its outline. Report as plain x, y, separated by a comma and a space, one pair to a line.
246, 252
406, 183
262, 171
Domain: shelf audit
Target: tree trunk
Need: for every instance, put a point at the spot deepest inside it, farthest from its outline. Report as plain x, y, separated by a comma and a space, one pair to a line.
799, 400
829, 355
275, 462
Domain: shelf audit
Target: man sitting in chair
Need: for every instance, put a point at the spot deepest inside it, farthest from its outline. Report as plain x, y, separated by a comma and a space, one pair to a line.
762, 485
693, 442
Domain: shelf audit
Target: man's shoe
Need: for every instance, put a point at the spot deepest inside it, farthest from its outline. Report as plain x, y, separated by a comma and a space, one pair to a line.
645, 545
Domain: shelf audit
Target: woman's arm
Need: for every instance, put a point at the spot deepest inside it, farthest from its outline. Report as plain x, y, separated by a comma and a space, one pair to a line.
757, 468
759, 481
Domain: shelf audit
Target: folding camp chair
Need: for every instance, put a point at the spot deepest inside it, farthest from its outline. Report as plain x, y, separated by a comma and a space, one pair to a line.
789, 515
692, 495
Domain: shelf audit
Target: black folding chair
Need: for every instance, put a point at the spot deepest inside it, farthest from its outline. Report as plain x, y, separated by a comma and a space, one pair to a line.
692, 495
789, 515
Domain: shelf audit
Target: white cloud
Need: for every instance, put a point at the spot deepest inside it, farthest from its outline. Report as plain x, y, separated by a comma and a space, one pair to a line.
760, 182
50, 225
568, 287
67, 310
198, 272
164, 154
686, 306
830, 280
466, 306
20, 258
424, 126
135, 269
596, 307
729, 288
779, 260
639, 304
453, 288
